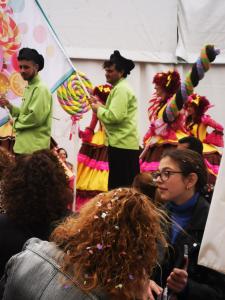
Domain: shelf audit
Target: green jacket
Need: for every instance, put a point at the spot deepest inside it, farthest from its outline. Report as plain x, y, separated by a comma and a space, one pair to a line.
119, 117
33, 119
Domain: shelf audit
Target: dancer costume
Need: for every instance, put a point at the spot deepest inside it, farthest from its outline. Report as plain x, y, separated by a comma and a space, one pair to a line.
197, 123
166, 124
161, 135
93, 169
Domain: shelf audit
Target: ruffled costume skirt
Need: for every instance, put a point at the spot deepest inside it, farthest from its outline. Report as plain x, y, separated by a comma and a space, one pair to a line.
92, 169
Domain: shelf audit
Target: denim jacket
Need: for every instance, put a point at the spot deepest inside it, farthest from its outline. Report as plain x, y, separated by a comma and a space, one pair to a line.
35, 273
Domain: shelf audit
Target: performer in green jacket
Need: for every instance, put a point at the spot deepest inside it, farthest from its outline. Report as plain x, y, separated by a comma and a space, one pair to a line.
119, 116
32, 121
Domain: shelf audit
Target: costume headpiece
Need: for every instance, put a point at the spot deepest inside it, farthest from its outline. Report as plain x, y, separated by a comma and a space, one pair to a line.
126, 64
168, 81
32, 54
102, 91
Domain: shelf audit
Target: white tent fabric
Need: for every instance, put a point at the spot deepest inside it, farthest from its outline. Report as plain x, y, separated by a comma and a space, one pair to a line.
145, 30
212, 249
199, 23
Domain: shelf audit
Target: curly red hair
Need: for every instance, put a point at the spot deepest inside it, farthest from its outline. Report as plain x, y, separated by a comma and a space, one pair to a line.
168, 81
113, 243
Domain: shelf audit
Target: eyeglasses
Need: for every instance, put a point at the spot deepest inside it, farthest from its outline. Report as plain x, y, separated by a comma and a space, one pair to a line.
164, 175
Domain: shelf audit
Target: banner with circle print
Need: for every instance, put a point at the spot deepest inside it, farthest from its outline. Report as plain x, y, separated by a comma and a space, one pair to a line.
23, 23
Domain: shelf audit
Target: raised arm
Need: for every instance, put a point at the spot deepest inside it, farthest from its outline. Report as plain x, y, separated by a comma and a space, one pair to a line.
208, 55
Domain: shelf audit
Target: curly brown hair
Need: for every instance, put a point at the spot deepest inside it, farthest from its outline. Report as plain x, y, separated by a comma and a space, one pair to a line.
6, 159
112, 244
35, 190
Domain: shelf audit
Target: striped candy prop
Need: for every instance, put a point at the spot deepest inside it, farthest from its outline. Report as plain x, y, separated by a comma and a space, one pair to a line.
73, 97
200, 67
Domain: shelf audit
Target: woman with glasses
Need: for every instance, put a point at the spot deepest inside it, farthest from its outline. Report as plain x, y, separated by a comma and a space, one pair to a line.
180, 180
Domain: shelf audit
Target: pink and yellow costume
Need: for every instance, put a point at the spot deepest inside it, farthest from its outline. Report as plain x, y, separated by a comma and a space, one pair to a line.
197, 123
161, 135
93, 169
166, 119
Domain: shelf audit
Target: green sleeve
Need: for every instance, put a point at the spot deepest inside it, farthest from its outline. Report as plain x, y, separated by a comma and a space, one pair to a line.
15, 111
117, 109
38, 109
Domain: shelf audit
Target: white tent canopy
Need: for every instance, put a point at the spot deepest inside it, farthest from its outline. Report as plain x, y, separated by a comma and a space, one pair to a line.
145, 30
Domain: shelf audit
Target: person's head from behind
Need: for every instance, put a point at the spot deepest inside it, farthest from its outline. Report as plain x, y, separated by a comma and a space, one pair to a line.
117, 67
192, 143
36, 190
166, 83
6, 160
113, 243
30, 63
182, 173
144, 183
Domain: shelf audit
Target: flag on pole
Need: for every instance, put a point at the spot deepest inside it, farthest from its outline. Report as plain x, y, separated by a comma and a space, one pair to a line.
211, 254
23, 23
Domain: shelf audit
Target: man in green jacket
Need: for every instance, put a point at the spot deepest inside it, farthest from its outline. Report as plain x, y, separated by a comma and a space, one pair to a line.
32, 121
119, 116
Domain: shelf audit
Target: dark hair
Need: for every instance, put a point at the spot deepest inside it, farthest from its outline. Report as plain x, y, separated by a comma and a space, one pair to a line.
113, 243
194, 144
121, 63
36, 190
31, 55
190, 162
144, 183
59, 149
6, 159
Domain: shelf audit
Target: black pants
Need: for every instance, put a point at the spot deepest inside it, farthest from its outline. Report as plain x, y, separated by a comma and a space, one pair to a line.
123, 166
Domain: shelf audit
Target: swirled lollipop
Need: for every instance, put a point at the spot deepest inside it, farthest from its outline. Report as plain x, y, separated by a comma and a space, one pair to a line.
9, 35
72, 97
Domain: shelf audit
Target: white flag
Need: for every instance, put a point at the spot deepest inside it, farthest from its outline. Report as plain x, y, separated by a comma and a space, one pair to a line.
211, 254
24, 24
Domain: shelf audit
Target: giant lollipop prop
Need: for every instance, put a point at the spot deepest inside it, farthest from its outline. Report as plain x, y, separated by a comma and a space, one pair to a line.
73, 97
201, 66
